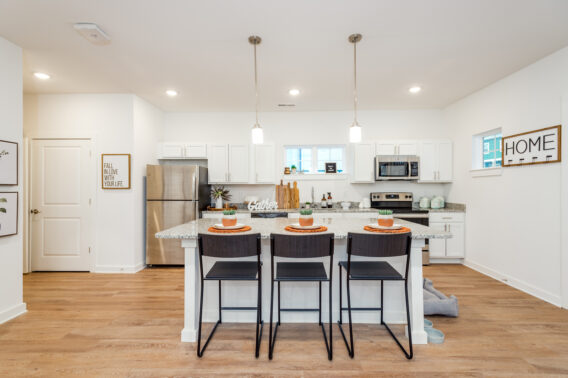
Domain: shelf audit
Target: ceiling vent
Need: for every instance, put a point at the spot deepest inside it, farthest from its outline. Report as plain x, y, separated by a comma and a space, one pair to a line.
286, 105
92, 33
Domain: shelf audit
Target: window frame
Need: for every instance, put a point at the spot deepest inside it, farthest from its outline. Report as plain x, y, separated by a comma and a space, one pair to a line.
478, 168
315, 148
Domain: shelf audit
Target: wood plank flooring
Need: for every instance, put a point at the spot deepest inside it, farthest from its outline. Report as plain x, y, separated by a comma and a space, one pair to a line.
123, 325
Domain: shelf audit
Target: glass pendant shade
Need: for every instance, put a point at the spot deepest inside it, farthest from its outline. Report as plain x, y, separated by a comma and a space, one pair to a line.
355, 133
257, 134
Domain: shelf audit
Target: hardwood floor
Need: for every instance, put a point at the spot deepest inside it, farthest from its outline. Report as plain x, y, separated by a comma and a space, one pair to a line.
129, 325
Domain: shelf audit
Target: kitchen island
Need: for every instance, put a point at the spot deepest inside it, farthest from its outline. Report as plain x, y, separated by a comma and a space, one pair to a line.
244, 293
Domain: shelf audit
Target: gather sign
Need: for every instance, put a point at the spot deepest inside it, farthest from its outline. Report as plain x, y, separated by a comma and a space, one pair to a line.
534, 147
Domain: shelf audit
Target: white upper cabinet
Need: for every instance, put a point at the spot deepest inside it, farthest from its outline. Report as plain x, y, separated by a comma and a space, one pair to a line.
363, 163
436, 161
218, 163
264, 164
170, 151
182, 151
397, 147
238, 163
195, 151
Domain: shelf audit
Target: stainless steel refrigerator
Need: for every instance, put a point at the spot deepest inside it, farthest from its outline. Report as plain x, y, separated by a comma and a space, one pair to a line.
175, 194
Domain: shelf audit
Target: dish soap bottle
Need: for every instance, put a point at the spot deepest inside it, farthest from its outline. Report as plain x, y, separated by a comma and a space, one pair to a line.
323, 202
329, 200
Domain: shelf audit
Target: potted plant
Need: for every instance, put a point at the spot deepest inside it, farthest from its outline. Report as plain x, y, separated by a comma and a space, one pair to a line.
306, 218
229, 218
294, 169
220, 194
385, 218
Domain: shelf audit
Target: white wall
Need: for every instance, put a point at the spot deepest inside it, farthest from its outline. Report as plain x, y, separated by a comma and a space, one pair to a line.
284, 128
118, 123
564, 199
11, 293
502, 238
148, 129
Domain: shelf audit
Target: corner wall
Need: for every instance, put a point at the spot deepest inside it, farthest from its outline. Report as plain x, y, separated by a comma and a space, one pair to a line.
118, 124
11, 129
502, 240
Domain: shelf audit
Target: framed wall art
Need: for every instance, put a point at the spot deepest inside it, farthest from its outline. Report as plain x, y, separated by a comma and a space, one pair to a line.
8, 163
540, 146
115, 171
8, 213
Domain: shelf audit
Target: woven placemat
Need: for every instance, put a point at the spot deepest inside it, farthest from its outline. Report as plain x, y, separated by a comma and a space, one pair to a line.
399, 231
218, 231
319, 229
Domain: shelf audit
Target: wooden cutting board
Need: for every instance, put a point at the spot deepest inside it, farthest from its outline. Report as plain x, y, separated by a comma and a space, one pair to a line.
287, 197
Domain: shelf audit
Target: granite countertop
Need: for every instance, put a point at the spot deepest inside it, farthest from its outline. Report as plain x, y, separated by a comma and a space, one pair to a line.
450, 208
340, 227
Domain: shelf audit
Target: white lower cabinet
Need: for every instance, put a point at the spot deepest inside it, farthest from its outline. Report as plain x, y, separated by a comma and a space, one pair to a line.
448, 248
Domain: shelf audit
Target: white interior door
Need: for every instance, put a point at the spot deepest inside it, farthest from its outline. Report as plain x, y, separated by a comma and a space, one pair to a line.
60, 214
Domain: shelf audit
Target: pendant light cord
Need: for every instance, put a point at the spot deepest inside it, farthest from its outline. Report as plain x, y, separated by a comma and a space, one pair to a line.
256, 84
355, 98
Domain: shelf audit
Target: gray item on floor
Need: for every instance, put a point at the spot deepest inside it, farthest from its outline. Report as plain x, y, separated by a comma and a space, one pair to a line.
436, 303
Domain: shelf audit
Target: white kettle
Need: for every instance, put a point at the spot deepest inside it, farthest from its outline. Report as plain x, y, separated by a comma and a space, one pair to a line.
424, 203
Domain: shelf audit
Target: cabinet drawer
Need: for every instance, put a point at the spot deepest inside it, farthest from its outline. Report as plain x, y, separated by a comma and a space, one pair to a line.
446, 217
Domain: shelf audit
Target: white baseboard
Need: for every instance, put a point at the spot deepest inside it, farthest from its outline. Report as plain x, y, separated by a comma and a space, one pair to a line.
188, 335
517, 284
12, 312
119, 268
445, 260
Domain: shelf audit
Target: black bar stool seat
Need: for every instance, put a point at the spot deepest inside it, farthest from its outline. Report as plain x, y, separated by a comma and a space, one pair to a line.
300, 271
226, 247
233, 271
372, 270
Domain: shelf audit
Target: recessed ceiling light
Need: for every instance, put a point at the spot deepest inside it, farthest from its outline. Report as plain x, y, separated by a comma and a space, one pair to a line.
171, 93
415, 89
41, 75
294, 92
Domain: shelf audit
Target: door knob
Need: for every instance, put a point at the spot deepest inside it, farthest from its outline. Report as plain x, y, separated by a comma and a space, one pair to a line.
35, 211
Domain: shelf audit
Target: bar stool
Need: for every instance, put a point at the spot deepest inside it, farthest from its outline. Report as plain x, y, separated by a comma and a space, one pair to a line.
374, 245
234, 246
301, 247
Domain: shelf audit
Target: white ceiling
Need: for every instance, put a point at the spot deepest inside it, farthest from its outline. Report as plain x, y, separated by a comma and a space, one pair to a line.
449, 47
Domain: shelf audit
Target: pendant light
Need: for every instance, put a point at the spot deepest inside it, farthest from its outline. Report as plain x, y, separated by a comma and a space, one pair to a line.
355, 129
256, 132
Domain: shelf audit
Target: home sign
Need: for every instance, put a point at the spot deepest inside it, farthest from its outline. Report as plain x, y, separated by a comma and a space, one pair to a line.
534, 147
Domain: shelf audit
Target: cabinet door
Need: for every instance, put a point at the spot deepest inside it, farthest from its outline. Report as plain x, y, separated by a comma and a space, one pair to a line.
238, 163
445, 161
455, 246
386, 148
264, 164
437, 246
171, 150
196, 151
217, 163
428, 161
363, 162
408, 147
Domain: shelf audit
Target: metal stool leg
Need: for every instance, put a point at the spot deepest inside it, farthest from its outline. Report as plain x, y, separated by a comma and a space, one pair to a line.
259, 322
199, 349
350, 349
409, 354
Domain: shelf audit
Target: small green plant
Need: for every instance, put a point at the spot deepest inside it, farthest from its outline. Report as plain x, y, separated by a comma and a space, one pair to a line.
385, 212
293, 167
229, 212
2, 209
306, 212
220, 192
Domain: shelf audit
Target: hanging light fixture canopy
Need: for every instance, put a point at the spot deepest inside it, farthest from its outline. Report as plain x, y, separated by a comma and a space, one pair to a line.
256, 132
355, 129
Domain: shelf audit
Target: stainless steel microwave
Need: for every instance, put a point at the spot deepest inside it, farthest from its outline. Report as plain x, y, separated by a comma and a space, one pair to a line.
397, 167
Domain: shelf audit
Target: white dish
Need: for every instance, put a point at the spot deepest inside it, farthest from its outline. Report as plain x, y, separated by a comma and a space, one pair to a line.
298, 227
220, 226
393, 227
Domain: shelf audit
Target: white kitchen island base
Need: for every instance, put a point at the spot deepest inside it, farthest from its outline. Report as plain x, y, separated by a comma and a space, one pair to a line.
302, 294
